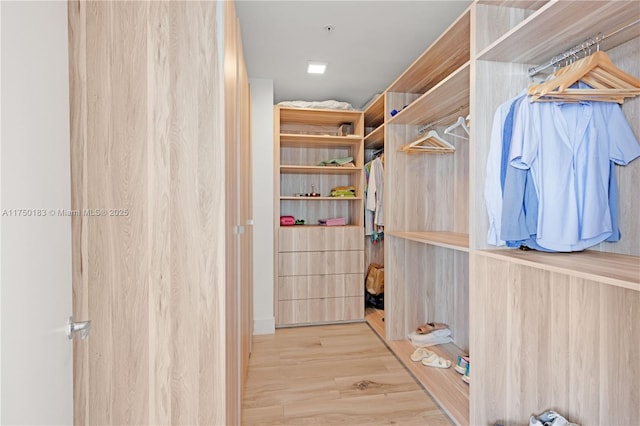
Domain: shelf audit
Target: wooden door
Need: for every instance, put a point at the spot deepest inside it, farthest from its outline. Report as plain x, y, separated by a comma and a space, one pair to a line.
151, 268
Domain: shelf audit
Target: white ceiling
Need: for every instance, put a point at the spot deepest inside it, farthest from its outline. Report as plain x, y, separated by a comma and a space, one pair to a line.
371, 44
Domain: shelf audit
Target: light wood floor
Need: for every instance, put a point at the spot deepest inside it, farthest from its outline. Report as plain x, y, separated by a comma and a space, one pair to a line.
334, 374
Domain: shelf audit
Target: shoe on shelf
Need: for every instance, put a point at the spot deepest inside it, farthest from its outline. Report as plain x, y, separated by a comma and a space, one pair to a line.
431, 326
436, 361
550, 418
461, 365
465, 378
421, 353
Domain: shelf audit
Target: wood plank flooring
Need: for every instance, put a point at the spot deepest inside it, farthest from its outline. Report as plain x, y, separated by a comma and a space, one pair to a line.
333, 374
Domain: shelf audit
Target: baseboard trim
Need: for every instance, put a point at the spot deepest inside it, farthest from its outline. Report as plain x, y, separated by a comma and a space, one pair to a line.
264, 326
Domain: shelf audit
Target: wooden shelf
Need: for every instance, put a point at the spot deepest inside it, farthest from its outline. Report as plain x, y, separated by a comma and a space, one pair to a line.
446, 54
570, 22
319, 170
516, 4
288, 140
450, 97
317, 117
292, 197
608, 268
374, 114
307, 226
444, 385
451, 240
375, 139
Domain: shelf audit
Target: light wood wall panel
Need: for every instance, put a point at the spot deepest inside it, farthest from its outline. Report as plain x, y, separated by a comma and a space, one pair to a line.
246, 211
148, 136
232, 181
550, 341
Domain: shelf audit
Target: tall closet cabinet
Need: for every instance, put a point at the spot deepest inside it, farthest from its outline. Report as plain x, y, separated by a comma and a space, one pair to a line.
160, 136
543, 330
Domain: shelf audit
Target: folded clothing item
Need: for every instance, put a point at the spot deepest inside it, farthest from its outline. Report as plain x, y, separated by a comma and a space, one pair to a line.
344, 191
345, 161
436, 337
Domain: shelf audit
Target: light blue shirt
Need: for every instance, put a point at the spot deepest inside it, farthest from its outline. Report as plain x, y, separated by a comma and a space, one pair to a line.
493, 181
568, 147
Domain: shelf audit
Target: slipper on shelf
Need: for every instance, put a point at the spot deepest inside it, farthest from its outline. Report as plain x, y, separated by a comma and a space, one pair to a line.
436, 361
431, 326
421, 353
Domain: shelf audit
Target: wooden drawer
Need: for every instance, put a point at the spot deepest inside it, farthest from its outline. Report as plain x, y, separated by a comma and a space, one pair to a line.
320, 238
320, 263
320, 310
320, 286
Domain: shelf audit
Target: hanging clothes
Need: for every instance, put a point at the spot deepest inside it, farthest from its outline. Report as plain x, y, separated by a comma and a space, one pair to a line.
374, 190
551, 173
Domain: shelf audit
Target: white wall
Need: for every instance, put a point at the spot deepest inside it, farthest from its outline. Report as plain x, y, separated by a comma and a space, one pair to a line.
263, 175
35, 250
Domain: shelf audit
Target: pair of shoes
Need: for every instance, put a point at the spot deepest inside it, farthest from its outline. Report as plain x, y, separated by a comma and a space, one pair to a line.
421, 353
436, 361
550, 418
461, 366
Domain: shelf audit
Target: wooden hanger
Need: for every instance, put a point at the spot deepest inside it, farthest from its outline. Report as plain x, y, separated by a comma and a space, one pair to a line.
609, 83
431, 142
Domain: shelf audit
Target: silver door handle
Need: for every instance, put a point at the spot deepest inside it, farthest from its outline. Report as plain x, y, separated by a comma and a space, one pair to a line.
83, 327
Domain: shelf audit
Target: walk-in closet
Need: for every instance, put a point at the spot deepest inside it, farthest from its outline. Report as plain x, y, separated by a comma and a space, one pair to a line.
548, 321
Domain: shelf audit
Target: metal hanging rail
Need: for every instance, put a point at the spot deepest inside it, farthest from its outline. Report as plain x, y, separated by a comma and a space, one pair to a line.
571, 53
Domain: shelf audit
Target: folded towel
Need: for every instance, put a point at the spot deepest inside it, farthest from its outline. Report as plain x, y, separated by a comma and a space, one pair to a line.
431, 339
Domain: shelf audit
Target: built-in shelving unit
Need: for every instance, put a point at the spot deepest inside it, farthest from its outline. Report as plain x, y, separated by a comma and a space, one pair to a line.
505, 306
565, 322
320, 269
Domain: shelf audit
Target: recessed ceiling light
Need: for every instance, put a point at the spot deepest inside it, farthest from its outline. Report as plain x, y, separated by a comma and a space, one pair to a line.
315, 67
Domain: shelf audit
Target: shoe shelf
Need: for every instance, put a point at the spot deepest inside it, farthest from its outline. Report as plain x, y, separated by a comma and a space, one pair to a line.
451, 240
444, 385
608, 268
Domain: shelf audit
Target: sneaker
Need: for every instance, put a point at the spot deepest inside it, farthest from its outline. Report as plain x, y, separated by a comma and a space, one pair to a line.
461, 365
465, 378
551, 418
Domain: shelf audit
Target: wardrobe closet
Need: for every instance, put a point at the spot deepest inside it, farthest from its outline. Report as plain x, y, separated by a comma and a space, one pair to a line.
543, 330
160, 128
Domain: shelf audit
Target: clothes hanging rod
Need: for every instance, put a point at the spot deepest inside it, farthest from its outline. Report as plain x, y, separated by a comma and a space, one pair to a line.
448, 117
595, 40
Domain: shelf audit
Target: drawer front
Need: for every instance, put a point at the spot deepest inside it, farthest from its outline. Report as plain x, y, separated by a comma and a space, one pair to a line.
320, 238
320, 310
320, 263
320, 286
